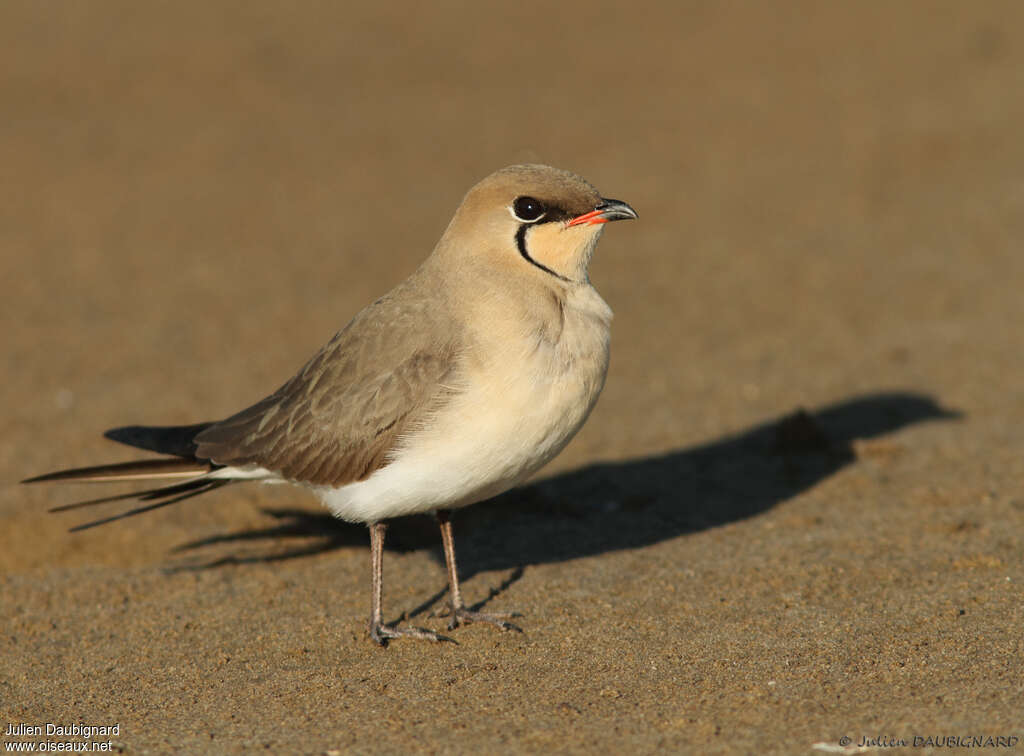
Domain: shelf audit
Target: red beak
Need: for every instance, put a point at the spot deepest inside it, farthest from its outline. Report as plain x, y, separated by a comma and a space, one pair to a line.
608, 210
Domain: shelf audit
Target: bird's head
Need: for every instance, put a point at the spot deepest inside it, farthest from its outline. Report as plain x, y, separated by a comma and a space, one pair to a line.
533, 216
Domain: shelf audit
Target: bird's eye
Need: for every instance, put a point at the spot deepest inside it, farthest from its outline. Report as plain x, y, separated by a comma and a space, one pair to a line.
528, 209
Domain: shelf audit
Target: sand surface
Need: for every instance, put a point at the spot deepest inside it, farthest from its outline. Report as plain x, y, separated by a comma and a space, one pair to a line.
195, 196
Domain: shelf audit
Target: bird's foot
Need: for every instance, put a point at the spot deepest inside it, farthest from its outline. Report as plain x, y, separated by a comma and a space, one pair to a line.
461, 615
381, 634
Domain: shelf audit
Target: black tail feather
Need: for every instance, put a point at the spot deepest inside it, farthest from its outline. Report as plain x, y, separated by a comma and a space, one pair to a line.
147, 469
147, 495
207, 485
177, 440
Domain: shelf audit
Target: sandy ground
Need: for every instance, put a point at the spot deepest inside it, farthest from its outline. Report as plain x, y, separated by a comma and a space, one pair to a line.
195, 196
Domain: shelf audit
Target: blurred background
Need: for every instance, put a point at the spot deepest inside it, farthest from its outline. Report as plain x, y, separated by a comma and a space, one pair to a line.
195, 196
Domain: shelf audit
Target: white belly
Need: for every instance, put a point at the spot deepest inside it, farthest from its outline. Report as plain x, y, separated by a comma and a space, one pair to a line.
516, 412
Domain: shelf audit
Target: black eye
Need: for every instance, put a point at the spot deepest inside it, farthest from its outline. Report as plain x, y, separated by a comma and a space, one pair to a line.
528, 209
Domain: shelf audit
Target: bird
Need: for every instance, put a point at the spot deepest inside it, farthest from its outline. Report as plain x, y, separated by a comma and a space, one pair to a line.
455, 386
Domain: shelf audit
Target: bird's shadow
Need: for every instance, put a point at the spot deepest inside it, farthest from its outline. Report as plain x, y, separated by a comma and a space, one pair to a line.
614, 505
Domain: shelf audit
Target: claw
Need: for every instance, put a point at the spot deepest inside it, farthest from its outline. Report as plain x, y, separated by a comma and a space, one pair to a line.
381, 634
463, 615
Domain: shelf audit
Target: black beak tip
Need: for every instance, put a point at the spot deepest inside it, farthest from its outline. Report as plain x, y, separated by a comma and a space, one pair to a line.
613, 209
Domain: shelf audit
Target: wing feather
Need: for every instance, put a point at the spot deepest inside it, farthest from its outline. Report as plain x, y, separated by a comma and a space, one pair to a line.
342, 415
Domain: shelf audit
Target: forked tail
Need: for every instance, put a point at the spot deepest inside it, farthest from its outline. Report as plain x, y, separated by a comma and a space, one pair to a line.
183, 474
